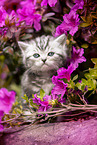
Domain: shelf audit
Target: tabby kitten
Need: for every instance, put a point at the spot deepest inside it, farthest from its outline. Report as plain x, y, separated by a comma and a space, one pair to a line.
42, 57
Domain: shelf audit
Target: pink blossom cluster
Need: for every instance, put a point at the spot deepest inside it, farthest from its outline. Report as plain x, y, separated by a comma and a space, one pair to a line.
60, 87
50, 2
28, 14
47, 102
25, 11
7, 98
70, 21
63, 73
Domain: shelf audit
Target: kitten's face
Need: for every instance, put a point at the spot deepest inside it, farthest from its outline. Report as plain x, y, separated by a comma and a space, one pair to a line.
44, 53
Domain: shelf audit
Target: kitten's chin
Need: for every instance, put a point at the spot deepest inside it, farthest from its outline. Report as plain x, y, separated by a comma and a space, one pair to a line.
45, 68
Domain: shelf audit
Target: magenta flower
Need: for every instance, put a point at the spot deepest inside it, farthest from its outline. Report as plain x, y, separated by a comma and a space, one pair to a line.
62, 29
36, 100
78, 5
3, 16
6, 99
29, 15
59, 88
24, 3
77, 57
70, 23
43, 104
50, 2
10, 5
1, 114
65, 73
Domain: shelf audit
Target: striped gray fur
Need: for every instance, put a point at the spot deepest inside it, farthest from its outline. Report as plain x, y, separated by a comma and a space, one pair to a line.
42, 57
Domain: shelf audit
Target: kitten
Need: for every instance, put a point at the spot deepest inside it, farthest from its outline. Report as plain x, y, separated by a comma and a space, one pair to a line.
42, 57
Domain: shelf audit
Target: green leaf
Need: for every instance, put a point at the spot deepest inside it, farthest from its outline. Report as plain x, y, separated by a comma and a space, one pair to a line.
25, 98
91, 83
93, 73
80, 86
95, 42
33, 104
84, 45
94, 60
83, 18
87, 75
42, 93
72, 84
85, 24
75, 78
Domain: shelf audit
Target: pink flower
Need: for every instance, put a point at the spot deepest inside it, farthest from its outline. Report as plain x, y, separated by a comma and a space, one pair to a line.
79, 5
3, 16
62, 29
10, 5
59, 88
65, 73
77, 57
24, 3
6, 99
36, 100
29, 15
43, 104
1, 114
70, 23
50, 2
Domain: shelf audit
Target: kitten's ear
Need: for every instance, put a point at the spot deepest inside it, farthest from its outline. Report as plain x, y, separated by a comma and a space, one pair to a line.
61, 39
23, 46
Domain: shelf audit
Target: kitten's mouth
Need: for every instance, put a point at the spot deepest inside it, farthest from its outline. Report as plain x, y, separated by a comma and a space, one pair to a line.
45, 66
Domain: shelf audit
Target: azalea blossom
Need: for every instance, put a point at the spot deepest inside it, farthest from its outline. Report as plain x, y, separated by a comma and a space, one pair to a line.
43, 104
7, 98
36, 99
26, 2
29, 15
50, 2
3, 15
10, 5
78, 5
60, 86
77, 57
70, 23
65, 73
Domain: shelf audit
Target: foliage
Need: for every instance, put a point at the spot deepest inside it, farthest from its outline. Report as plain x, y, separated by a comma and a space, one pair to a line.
77, 83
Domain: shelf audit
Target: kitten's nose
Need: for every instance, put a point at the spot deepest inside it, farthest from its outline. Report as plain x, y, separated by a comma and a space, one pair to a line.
44, 60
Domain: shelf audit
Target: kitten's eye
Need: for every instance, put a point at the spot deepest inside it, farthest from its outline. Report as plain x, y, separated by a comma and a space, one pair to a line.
36, 55
50, 53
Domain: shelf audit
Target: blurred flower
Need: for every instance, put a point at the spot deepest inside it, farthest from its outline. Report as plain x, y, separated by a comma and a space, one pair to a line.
61, 29
70, 23
79, 5
77, 57
23, 3
50, 2
29, 15
3, 75
3, 16
12, 16
10, 5
65, 73
1, 114
36, 99
44, 106
6, 99
3, 31
59, 88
